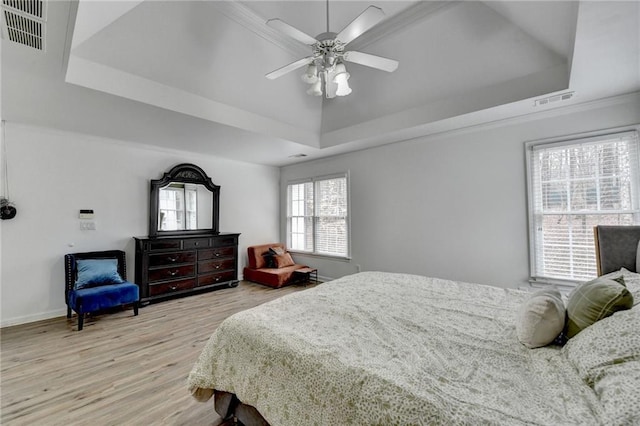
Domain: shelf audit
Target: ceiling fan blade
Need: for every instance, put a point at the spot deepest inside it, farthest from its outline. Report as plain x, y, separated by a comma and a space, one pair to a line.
292, 32
288, 68
372, 61
367, 19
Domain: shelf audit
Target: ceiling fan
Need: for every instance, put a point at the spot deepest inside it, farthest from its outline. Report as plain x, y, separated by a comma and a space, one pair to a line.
325, 66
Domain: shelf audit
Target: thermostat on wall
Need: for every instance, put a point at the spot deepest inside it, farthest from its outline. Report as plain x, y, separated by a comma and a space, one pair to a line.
86, 214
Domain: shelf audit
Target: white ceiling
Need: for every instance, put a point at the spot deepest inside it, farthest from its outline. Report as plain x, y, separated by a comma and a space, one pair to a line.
190, 74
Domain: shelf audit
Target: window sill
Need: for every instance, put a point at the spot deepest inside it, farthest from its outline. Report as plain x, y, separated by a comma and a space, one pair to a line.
320, 256
565, 286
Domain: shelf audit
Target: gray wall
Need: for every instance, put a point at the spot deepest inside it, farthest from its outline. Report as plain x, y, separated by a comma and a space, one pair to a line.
451, 206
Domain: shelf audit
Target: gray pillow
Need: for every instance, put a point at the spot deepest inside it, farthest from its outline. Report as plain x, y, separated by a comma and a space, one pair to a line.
595, 300
540, 319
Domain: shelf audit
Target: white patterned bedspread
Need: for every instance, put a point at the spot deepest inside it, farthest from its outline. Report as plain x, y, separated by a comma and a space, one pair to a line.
392, 349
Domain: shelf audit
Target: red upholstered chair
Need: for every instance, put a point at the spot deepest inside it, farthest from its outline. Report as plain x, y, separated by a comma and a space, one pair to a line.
259, 271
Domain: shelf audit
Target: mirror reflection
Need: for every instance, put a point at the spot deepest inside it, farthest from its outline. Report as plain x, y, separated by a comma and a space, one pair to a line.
185, 206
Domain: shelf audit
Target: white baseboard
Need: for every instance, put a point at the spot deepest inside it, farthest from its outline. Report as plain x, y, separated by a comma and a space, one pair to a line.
33, 318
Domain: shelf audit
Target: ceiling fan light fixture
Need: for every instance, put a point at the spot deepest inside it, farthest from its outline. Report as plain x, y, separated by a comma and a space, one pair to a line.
340, 78
311, 75
341, 74
316, 88
343, 89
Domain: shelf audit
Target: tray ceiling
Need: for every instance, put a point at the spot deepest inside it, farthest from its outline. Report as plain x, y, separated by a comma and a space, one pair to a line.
461, 64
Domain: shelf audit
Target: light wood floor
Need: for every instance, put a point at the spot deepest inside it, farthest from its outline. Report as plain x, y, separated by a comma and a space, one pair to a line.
120, 369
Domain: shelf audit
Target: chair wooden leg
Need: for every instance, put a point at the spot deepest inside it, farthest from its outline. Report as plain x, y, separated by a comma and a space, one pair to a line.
80, 321
68, 312
135, 308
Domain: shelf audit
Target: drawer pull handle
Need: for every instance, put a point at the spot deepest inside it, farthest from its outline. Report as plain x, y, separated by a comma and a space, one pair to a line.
218, 279
173, 273
217, 254
217, 266
173, 259
173, 287
196, 243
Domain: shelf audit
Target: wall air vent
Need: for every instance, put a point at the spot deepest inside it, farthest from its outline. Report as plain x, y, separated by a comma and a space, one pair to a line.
555, 98
23, 22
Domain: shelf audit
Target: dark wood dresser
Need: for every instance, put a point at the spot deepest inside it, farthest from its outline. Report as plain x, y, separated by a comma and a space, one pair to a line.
177, 265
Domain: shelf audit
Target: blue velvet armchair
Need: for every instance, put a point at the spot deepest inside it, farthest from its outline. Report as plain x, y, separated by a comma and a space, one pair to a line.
96, 281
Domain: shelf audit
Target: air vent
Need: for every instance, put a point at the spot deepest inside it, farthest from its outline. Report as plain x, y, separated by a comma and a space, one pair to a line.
23, 22
555, 98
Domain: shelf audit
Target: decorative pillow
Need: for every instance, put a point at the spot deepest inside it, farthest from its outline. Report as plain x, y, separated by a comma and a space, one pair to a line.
541, 318
593, 301
638, 258
96, 272
277, 250
269, 260
283, 260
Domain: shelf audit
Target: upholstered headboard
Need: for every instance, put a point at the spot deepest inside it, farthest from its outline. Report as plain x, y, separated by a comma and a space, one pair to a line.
616, 247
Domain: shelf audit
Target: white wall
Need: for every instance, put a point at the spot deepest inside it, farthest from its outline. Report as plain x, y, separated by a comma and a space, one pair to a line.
54, 174
452, 206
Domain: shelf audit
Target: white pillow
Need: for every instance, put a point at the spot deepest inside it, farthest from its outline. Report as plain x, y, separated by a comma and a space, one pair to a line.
540, 319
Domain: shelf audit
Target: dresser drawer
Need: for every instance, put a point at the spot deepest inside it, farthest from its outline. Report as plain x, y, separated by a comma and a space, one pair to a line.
156, 245
171, 272
224, 241
216, 265
170, 287
216, 253
220, 277
192, 243
172, 258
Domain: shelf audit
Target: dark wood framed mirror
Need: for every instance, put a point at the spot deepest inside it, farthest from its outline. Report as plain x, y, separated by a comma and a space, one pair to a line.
184, 201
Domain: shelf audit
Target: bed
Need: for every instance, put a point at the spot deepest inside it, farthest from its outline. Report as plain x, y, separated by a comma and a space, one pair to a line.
398, 349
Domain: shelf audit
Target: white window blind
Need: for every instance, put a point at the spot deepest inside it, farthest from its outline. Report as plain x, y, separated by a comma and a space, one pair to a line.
573, 186
317, 216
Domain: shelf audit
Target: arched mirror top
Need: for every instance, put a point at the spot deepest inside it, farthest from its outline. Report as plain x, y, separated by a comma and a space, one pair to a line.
184, 201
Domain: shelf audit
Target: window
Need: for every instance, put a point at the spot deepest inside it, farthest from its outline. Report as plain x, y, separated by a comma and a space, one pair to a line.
178, 207
317, 216
573, 186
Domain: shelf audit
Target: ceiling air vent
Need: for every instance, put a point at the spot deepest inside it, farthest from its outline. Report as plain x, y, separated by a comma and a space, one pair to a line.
23, 22
555, 98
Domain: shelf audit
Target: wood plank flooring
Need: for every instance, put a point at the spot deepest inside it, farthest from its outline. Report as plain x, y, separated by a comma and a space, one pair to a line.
120, 369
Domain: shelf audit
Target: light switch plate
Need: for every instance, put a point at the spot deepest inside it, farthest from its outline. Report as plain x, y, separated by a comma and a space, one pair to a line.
86, 214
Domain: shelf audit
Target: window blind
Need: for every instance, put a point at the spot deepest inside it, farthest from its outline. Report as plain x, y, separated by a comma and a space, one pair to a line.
573, 186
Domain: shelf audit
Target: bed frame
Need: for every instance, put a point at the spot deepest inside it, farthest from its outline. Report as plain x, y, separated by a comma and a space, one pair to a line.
616, 247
